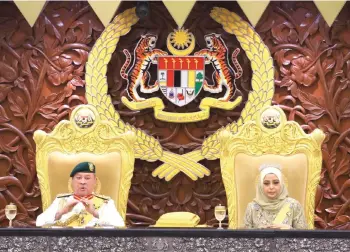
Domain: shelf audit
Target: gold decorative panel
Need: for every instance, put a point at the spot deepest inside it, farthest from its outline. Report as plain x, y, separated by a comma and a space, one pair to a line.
85, 138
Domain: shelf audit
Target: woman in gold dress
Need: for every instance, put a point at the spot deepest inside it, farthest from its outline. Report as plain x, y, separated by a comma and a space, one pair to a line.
272, 208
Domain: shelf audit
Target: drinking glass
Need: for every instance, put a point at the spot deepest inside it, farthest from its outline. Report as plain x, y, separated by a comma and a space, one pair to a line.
220, 213
10, 212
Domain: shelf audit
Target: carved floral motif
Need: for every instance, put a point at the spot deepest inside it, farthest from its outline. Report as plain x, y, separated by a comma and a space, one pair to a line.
312, 86
42, 80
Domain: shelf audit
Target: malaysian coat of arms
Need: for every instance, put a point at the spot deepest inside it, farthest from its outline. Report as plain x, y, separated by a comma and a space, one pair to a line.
181, 76
180, 79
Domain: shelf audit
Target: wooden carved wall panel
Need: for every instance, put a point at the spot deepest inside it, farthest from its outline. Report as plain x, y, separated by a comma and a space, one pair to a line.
41, 81
312, 86
151, 197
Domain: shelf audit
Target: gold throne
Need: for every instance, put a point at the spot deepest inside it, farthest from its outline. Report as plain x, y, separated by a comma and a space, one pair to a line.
270, 139
85, 137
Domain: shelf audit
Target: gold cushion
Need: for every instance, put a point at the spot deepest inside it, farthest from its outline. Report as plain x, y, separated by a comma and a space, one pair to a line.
108, 167
178, 219
294, 169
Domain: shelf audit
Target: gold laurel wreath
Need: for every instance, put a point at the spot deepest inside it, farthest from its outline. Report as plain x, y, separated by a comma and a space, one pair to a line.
262, 86
146, 147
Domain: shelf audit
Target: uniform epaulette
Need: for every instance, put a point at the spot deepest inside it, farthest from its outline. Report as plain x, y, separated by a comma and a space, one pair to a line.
102, 196
63, 195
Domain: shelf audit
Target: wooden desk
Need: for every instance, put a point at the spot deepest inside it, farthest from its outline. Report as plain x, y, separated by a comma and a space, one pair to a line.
184, 240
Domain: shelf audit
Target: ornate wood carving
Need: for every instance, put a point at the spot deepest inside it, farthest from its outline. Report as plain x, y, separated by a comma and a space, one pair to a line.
151, 197
42, 79
312, 86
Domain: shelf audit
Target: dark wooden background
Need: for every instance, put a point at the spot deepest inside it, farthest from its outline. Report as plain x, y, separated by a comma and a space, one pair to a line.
42, 80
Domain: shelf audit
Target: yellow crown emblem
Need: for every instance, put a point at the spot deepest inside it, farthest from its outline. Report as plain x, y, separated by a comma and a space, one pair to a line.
91, 167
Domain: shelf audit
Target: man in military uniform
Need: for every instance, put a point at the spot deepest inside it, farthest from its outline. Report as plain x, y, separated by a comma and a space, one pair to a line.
82, 208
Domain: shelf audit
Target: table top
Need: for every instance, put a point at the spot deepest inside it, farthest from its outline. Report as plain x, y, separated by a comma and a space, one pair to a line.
176, 232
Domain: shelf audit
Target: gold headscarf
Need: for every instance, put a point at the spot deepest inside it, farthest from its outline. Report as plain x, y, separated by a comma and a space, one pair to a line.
272, 205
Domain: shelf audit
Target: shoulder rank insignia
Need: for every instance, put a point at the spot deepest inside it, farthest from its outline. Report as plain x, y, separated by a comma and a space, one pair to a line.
63, 195
106, 198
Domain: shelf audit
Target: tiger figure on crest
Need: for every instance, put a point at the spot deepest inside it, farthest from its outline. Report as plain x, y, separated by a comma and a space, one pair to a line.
145, 54
216, 53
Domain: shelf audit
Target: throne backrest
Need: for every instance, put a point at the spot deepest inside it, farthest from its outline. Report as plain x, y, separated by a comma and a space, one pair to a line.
85, 138
270, 139
61, 164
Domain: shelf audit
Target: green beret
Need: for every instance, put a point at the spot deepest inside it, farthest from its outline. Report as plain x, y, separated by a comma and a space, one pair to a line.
83, 167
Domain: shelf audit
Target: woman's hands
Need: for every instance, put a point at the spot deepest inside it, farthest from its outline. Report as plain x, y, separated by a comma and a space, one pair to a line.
279, 226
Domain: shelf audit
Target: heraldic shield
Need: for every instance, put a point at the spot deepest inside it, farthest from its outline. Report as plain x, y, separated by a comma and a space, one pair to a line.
181, 78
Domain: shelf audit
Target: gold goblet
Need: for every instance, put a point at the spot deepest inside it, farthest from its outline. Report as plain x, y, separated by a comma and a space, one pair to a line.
10, 212
220, 213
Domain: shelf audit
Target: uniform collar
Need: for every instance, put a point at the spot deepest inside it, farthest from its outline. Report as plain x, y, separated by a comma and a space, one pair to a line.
80, 198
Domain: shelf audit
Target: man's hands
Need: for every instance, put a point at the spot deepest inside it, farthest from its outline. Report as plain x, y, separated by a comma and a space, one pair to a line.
66, 209
89, 207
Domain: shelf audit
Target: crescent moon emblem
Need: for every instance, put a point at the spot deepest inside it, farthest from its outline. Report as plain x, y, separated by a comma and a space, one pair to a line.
183, 52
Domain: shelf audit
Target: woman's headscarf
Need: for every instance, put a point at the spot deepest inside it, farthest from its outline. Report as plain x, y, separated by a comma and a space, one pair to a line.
272, 205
